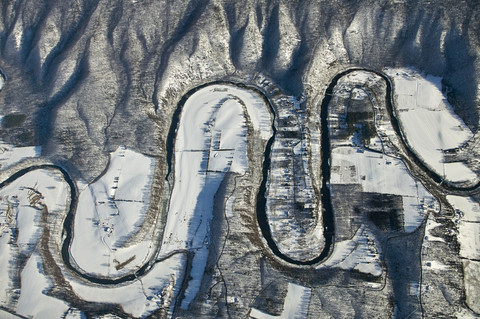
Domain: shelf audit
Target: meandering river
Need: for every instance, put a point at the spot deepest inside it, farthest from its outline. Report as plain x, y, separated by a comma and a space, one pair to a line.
262, 218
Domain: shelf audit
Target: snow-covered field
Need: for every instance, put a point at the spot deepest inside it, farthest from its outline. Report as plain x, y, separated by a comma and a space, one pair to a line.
468, 225
139, 298
10, 155
468, 219
359, 253
33, 301
378, 173
211, 141
109, 212
429, 123
22, 204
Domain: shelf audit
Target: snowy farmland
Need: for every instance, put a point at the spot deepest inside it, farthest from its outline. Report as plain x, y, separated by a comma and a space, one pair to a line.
143, 296
10, 155
429, 123
211, 141
23, 206
378, 173
468, 221
110, 211
384, 194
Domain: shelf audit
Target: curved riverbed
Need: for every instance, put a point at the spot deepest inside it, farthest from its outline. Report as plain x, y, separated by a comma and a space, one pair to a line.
217, 148
327, 213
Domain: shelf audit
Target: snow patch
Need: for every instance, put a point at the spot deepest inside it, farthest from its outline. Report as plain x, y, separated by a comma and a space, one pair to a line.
378, 173
142, 297
33, 301
22, 204
436, 265
109, 212
11, 155
466, 207
429, 227
359, 253
211, 141
295, 305
469, 238
468, 225
429, 123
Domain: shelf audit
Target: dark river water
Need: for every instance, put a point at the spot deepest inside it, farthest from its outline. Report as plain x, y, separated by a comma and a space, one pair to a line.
327, 209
